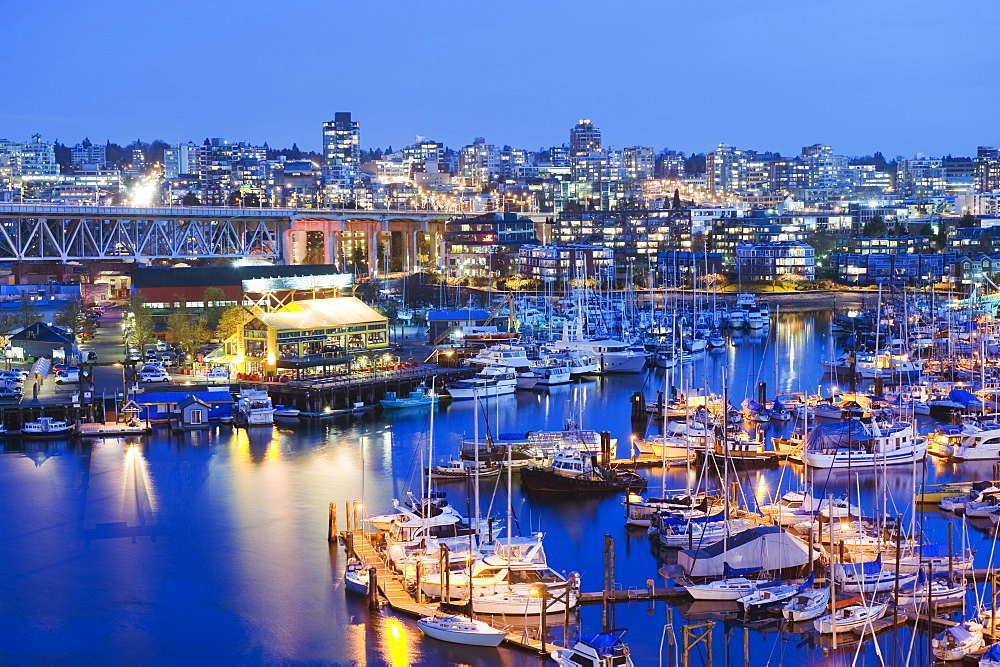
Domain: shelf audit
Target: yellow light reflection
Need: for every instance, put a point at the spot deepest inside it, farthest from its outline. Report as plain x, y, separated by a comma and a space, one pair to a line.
395, 640
138, 494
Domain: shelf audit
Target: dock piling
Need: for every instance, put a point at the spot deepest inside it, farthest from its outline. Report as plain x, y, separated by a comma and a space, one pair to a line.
331, 534
373, 587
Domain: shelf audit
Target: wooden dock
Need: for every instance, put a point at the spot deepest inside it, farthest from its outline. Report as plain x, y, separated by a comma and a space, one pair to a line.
400, 600
93, 430
633, 595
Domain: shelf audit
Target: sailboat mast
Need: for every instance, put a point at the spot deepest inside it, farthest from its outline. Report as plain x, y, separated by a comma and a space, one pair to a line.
475, 436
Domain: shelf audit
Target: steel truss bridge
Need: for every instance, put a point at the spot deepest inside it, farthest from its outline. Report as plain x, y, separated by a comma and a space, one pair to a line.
55, 233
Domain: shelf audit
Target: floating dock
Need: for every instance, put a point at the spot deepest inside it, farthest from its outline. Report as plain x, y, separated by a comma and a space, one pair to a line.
400, 600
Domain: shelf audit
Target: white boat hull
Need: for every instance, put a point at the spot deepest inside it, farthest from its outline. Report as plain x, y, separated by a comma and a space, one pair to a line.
473, 633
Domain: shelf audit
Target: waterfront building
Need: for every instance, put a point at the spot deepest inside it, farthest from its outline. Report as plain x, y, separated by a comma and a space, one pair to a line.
558, 264
342, 155
891, 245
970, 271
43, 340
888, 268
218, 158
631, 234
783, 260
487, 245
678, 268
314, 337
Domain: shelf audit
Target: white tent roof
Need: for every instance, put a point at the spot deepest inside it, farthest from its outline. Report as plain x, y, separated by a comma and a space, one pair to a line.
317, 313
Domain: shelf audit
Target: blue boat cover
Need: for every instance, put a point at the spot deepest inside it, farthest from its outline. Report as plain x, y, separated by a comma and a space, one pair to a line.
698, 519
839, 434
863, 569
730, 571
604, 643
777, 406
751, 405
964, 396
933, 551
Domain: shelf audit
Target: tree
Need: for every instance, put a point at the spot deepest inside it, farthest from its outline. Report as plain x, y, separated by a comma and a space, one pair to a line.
27, 312
191, 199
925, 230
875, 227
986, 243
968, 220
189, 330
142, 321
76, 316
231, 321
677, 199
214, 299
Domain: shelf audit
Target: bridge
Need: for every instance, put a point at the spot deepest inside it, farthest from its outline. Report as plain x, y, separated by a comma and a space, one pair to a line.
56, 233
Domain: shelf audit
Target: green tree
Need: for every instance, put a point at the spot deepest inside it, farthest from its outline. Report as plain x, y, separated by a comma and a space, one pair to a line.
189, 330
925, 230
191, 199
875, 227
231, 321
214, 299
142, 321
968, 220
677, 199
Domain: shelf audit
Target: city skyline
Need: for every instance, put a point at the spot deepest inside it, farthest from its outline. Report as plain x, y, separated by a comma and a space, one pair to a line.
896, 78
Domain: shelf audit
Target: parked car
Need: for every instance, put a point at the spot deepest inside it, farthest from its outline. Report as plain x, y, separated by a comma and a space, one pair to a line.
68, 376
154, 376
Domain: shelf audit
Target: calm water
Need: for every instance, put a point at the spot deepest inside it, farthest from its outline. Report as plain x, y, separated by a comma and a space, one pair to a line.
211, 547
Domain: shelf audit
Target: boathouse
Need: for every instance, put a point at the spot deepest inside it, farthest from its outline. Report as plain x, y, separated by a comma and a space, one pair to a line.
163, 406
192, 413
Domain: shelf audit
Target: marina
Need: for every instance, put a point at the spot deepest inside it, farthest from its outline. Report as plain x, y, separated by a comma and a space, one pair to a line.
367, 457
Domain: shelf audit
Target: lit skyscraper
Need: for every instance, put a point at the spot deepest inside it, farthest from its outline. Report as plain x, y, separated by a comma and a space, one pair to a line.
584, 138
342, 152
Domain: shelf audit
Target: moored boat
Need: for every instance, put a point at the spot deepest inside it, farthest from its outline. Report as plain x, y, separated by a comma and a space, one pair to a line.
46, 427
459, 629
356, 577
596, 650
850, 617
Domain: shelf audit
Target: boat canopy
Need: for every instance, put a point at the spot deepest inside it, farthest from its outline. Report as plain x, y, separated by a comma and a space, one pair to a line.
964, 396
606, 643
667, 519
837, 435
866, 569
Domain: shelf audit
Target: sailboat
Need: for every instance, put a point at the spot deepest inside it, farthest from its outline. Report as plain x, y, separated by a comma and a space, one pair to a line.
850, 617
956, 642
596, 650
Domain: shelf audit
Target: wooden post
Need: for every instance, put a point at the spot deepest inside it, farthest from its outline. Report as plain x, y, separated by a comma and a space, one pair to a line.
331, 534
544, 593
347, 514
372, 588
420, 594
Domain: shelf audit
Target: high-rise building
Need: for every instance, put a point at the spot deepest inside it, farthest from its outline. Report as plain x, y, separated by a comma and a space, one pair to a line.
725, 169
639, 162
478, 163
584, 138
987, 169
181, 159
342, 152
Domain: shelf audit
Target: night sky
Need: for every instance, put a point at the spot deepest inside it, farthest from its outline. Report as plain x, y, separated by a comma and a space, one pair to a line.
859, 75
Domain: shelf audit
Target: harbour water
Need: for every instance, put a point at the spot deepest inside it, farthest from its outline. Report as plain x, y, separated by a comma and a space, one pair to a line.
210, 547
